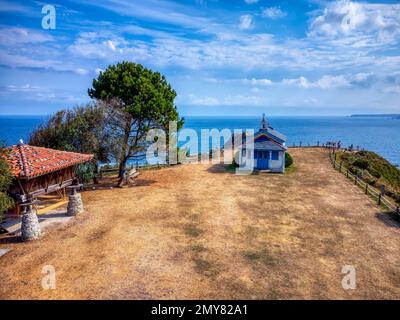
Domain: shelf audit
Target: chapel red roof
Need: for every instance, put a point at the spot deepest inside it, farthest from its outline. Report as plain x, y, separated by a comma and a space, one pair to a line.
28, 161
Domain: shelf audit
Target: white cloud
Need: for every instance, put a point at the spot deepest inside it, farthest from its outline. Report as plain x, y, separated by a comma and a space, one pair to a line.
238, 52
23, 88
228, 100
98, 70
357, 23
203, 101
328, 81
97, 45
16, 35
255, 82
15, 60
391, 89
273, 13
250, 1
168, 12
361, 80
300, 82
325, 82
37, 93
81, 71
6, 6
110, 44
246, 22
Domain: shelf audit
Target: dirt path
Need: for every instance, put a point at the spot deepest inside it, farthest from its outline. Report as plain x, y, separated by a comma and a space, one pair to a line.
198, 231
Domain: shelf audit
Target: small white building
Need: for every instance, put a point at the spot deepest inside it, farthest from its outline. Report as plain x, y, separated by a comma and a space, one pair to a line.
269, 149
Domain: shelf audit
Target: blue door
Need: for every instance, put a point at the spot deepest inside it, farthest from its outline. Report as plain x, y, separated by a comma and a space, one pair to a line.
262, 159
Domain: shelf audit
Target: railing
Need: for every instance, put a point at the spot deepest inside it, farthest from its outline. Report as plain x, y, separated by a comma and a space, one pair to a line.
143, 166
368, 189
329, 145
301, 144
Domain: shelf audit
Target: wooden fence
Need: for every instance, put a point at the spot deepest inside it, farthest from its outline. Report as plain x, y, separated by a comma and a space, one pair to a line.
142, 166
368, 189
328, 145
301, 144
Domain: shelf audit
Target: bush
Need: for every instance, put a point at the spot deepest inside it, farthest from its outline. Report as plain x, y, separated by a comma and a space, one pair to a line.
368, 178
374, 169
360, 163
85, 172
288, 160
5, 180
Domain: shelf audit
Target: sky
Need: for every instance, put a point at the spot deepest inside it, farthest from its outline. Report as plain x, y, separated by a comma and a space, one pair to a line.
223, 58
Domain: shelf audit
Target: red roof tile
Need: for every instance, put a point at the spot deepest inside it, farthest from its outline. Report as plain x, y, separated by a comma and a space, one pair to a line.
28, 161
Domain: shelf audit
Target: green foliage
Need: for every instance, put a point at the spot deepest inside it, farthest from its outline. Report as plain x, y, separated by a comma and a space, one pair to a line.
5, 181
82, 129
86, 172
288, 160
361, 163
373, 169
139, 100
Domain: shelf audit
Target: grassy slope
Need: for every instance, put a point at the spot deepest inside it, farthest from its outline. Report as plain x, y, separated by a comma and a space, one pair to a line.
374, 169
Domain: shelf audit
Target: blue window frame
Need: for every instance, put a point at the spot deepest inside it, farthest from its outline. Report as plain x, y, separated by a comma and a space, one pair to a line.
275, 155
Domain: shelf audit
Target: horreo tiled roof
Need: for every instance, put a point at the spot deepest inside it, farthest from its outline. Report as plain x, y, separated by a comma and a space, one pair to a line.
28, 161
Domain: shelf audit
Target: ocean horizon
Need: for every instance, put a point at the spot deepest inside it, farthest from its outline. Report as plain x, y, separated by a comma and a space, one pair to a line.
378, 134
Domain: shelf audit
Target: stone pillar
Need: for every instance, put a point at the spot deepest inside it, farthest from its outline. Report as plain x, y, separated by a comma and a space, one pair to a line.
30, 228
75, 204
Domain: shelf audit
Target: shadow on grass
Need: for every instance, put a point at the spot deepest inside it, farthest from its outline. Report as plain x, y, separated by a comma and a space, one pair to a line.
192, 230
231, 168
222, 168
205, 267
292, 168
109, 184
10, 239
263, 257
390, 219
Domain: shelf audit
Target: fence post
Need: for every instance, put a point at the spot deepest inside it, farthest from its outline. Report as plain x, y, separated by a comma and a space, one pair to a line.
300, 143
317, 143
366, 188
347, 173
355, 180
379, 199
340, 166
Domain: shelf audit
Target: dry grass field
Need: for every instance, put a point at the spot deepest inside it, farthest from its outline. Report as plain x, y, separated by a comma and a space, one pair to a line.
201, 232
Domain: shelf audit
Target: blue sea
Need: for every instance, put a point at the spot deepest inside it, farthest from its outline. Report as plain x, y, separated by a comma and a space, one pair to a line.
381, 135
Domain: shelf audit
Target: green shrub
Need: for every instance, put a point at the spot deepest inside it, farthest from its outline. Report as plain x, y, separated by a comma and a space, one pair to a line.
85, 172
360, 163
5, 180
374, 169
288, 160
368, 178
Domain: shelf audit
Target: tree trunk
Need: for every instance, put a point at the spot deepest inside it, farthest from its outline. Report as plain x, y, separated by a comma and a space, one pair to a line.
122, 169
125, 148
95, 173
